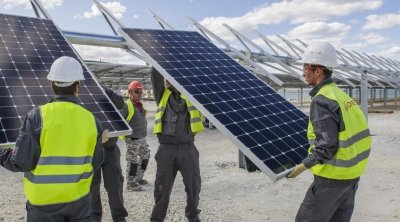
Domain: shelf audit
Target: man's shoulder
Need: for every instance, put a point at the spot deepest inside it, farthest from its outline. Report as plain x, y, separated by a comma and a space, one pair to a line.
321, 100
34, 112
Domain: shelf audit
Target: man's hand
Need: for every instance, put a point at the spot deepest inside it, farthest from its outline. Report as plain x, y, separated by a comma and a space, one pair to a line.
105, 136
298, 169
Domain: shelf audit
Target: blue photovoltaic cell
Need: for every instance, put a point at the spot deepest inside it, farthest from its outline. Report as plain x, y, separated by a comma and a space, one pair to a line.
28, 47
263, 121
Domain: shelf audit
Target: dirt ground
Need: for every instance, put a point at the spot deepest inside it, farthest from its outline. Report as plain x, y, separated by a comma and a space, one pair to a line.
232, 194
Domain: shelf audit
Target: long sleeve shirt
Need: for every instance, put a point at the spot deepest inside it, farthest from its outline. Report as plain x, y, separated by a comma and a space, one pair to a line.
119, 103
326, 118
24, 157
138, 122
176, 119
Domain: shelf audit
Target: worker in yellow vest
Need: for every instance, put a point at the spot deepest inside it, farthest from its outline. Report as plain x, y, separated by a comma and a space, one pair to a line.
177, 122
340, 142
58, 148
137, 149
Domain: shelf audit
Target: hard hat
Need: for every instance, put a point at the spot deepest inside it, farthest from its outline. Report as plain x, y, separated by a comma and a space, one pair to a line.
321, 53
135, 85
65, 71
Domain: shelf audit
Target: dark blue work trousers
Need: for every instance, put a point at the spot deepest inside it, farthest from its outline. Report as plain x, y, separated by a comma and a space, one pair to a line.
170, 159
77, 211
327, 203
113, 183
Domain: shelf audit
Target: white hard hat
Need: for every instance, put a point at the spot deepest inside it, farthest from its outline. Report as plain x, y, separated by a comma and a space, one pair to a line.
321, 53
65, 71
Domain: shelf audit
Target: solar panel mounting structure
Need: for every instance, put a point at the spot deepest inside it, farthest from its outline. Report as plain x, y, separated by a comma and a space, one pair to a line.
266, 128
28, 47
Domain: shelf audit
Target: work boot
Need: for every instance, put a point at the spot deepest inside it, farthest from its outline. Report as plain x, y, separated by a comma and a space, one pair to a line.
194, 219
143, 182
135, 187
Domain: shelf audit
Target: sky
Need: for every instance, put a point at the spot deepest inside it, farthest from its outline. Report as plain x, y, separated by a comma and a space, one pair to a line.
371, 26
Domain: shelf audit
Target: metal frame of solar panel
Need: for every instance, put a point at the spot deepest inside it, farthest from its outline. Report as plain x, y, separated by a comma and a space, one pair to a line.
266, 128
28, 47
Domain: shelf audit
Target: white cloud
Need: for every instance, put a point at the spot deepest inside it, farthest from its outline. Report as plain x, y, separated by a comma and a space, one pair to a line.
116, 8
296, 11
392, 52
382, 21
135, 16
329, 32
373, 38
105, 54
354, 21
352, 46
48, 4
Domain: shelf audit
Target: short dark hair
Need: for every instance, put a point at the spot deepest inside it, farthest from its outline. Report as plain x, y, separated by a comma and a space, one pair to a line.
69, 90
327, 71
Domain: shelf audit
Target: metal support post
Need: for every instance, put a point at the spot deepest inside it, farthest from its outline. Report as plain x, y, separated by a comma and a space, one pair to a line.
385, 94
372, 97
364, 93
242, 161
301, 97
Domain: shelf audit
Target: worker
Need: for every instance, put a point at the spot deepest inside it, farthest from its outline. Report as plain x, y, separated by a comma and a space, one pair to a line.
176, 123
137, 149
112, 175
340, 142
58, 148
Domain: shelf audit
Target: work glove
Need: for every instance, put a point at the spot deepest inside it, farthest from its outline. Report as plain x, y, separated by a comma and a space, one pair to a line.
298, 169
105, 136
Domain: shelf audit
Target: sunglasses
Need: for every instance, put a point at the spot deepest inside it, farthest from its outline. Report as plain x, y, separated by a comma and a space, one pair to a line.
138, 91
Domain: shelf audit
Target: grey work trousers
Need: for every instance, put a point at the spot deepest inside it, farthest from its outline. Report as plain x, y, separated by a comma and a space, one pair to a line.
330, 203
77, 211
113, 183
170, 159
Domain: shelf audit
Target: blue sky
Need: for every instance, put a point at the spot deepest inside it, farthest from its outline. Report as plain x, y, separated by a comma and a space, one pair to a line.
370, 26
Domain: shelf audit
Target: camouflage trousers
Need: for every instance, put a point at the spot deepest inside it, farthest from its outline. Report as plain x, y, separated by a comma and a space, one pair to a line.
137, 150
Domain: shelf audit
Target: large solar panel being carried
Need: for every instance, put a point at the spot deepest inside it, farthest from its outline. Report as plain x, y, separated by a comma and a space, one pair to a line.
28, 47
266, 128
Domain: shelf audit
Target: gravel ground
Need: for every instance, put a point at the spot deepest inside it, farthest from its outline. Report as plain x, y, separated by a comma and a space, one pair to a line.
231, 194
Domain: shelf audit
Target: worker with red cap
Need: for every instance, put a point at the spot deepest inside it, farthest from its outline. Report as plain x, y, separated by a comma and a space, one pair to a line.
137, 149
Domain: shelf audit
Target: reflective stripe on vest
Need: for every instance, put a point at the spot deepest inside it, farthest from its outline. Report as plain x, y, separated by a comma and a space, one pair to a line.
196, 122
67, 141
131, 112
354, 143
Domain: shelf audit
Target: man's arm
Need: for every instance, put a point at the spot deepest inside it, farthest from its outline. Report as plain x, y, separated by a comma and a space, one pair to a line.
157, 81
25, 155
124, 111
117, 99
325, 116
98, 150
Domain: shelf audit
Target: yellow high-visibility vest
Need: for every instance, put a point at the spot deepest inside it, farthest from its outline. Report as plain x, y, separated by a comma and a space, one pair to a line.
67, 140
131, 112
196, 121
351, 158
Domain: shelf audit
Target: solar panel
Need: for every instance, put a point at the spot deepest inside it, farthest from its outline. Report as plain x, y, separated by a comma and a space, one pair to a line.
266, 128
28, 47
